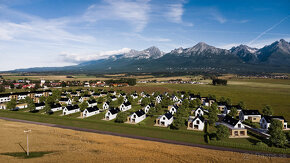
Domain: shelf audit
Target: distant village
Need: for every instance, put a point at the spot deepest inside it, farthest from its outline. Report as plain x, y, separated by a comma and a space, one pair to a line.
199, 111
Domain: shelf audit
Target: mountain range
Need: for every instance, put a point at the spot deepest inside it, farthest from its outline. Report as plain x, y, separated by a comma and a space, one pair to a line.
200, 57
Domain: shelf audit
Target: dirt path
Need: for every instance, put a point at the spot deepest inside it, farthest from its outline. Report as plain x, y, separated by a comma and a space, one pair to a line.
77, 146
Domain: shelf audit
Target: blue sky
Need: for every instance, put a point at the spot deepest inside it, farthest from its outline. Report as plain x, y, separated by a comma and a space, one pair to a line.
37, 33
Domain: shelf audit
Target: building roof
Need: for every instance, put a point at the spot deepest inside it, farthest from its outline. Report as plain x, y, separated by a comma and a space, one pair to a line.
92, 101
64, 99
229, 107
269, 118
92, 109
140, 112
168, 115
198, 117
221, 103
55, 105
127, 103
114, 110
229, 120
72, 107
39, 104
251, 112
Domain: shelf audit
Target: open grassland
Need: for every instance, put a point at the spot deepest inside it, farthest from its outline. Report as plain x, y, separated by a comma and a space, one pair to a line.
254, 94
63, 145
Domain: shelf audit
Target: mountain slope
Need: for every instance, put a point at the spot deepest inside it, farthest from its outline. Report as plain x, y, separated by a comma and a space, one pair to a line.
200, 57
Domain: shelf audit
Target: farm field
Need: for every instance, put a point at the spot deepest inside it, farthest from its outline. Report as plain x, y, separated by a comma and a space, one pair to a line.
57, 144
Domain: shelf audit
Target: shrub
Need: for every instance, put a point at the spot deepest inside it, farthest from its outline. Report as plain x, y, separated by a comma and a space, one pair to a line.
261, 144
121, 117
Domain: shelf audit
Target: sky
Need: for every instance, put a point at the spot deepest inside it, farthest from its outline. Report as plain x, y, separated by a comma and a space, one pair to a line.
46, 33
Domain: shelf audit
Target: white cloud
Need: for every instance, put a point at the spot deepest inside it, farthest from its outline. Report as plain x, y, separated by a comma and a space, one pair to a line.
77, 58
175, 13
134, 12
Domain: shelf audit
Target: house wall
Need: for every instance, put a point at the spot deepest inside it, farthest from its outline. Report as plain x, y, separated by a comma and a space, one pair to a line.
239, 133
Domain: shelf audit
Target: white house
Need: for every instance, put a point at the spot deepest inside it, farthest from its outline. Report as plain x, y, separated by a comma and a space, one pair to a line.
236, 128
55, 107
66, 101
125, 106
112, 92
112, 113
90, 111
136, 117
147, 107
174, 98
92, 103
158, 99
252, 115
265, 122
164, 120
198, 112
70, 109
4, 98
134, 95
172, 109
21, 96
208, 102
106, 105
85, 98
114, 98
196, 123
39, 106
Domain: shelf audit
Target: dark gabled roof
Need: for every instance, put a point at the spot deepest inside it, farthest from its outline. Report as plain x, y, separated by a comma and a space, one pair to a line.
229, 120
168, 115
96, 94
107, 102
269, 118
251, 112
222, 103
151, 104
21, 93
127, 103
57, 105
64, 99
74, 93
87, 96
72, 107
92, 109
111, 91
200, 117
113, 96
39, 104
63, 94
5, 95
103, 92
229, 107
114, 110
123, 94
140, 112
92, 101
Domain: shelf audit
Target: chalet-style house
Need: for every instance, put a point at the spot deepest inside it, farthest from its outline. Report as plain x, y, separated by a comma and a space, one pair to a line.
66, 101
158, 99
125, 106
136, 117
265, 122
174, 98
198, 112
90, 111
96, 95
92, 103
147, 107
39, 106
70, 109
85, 98
112, 113
227, 110
134, 95
106, 105
193, 97
112, 92
164, 120
236, 128
208, 102
114, 98
55, 107
104, 93
222, 106
252, 115
173, 109
196, 123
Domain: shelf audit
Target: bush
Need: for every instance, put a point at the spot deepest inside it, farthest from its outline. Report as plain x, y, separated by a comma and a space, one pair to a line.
261, 144
222, 132
219, 82
121, 117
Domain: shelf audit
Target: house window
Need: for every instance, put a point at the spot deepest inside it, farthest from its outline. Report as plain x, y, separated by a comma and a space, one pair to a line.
254, 119
242, 133
285, 126
163, 118
197, 122
239, 125
236, 133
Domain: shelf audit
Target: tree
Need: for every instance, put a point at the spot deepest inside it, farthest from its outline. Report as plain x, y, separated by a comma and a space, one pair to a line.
2, 88
42, 99
11, 104
158, 107
100, 100
242, 105
145, 101
219, 82
212, 115
267, 110
31, 105
178, 122
121, 117
47, 108
278, 137
83, 105
233, 113
228, 101
222, 132
49, 100
120, 100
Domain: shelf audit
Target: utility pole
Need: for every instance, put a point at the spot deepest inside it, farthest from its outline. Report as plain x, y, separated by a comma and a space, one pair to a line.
27, 132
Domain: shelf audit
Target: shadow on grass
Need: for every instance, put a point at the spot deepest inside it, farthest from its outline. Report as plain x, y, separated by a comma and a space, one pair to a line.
24, 155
